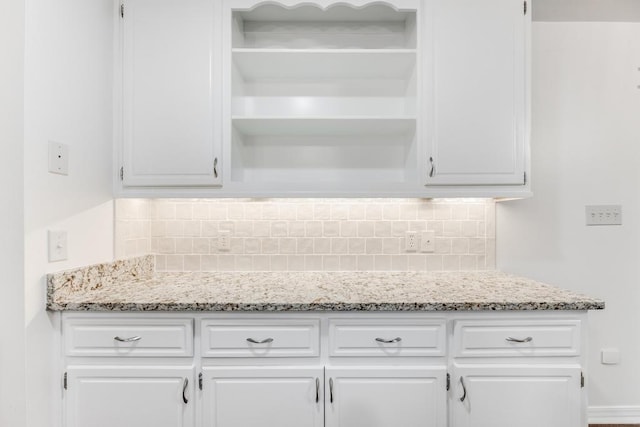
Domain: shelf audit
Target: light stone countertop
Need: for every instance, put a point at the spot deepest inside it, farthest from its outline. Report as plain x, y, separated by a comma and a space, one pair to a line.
131, 285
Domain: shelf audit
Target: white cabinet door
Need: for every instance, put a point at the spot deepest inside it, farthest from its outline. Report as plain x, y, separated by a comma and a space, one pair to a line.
512, 396
478, 100
263, 396
385, 397
171, 124
129, 396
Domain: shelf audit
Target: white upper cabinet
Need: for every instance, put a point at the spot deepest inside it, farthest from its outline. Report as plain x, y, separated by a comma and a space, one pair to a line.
477, 96
397, 98
171, 116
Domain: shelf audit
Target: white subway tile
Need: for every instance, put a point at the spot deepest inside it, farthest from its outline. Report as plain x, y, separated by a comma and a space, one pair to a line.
348, 229
175, 262
295, 262
373, 212
244, 262
322, 212
305, 245
348, 263
331, 228
313, 262
226, 262
161, 262
357, 246
399, 228
271, 212
416, 262
434, 262
270, 246
441, 212
200, 211
409, 212
382, 262
366, 262
459, 245
321, 245
468, 262
184, 211
278, 262
235, 211
209, 228
218, 212
366, 228
201, 245
391, 212
288, 245
304, 212
167, 245
184, 245
399, 262
313, 228
357, 212
339, 212
253, 211
339, 246
331, 262
261, 263
192, 263
252, 245
236, 246
262, 229
390, 245
374, 246
451, 262
382, 228
279, 229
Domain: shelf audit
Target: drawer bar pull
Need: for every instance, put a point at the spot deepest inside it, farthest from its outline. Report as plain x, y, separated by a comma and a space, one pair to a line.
382, 340
130, 339
264, 341
184, 391
317, 389
527, 339
331, 390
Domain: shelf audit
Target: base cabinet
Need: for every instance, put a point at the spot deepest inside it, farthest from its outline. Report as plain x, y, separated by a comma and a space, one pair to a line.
385, 397
262, 396
514, 396
324, 369
129, 396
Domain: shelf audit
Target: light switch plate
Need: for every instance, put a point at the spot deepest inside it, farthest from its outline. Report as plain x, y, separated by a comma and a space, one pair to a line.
57, 245
603, 215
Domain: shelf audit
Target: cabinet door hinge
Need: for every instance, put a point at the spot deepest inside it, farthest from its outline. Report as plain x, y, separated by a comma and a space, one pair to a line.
122, 10
448, 381
525, 7
64, 381
122, 173
581, 379
200, 380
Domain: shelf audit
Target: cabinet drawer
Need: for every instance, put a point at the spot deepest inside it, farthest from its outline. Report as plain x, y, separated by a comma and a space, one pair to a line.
516, 338
389, 337
261, 338
128, 337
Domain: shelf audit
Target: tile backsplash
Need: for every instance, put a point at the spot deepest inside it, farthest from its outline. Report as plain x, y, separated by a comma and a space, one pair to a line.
306, 234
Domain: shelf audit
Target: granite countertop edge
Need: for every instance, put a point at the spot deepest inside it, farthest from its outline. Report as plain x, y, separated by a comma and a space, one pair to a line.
132, 285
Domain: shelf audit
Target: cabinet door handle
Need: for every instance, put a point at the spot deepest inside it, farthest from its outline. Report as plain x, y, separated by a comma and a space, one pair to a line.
317, 390
527, 339
382, 340
215, 167
331, 390
184, 390
130, 339
464, 390
433, 167
264, 341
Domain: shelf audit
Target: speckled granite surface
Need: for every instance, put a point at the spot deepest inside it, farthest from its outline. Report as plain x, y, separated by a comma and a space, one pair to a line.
131, 285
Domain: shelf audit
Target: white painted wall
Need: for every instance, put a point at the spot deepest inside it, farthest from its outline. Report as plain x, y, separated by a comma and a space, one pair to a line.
68, 99
12, 333
586, 150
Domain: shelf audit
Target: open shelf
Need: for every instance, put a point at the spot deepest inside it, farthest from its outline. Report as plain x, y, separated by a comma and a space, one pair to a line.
340, 26
283, 64
319, 126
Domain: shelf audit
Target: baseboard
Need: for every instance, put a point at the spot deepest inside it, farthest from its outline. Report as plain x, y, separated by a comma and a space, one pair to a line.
613, 414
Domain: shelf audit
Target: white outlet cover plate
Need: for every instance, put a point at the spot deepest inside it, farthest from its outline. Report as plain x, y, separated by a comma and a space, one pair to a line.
411, 241
428, 241
58, 158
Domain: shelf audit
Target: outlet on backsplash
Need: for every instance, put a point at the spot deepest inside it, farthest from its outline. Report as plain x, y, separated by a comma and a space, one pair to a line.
308, 234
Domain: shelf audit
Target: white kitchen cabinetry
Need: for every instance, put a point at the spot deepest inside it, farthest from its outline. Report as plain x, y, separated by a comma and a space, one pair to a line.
322, 98
522, 373
478, 92
509, 395
171, 93
386, 396
259, 396
373, 369
129, 396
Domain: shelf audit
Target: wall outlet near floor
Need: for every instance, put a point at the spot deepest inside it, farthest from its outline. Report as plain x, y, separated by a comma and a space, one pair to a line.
428, 241
411, 241
57, 245
604, 214
224, 240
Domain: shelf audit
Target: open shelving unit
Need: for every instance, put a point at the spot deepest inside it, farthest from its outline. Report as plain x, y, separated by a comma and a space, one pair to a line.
316, 97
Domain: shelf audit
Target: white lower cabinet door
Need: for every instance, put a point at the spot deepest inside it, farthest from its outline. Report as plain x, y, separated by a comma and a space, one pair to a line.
130, 396
510, 396
263, 396
385, 397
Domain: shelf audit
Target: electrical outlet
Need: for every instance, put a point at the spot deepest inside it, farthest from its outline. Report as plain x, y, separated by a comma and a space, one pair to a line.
224, 240
604, 215
411, 241
428, 241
